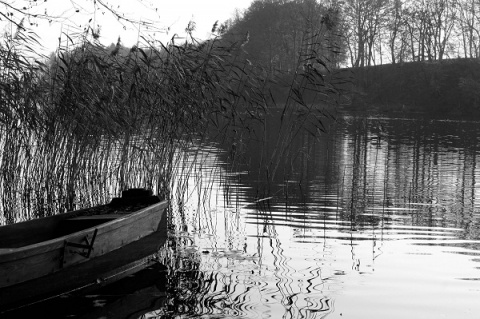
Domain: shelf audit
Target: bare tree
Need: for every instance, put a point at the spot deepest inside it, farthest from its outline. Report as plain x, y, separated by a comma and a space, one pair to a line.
468, 19
363, 22
83, 17
394, 26
443, 18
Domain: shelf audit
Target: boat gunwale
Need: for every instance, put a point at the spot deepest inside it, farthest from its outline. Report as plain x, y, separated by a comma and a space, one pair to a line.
17, 253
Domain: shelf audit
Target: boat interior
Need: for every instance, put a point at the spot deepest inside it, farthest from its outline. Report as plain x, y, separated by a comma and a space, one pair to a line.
39, 230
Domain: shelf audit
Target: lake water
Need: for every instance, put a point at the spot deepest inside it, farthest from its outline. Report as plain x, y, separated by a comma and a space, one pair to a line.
380, 220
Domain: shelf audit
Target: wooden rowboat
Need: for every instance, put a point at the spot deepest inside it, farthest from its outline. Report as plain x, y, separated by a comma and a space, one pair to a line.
57, 254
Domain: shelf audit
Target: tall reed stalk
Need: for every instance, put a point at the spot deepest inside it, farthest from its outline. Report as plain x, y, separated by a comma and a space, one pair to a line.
91, 121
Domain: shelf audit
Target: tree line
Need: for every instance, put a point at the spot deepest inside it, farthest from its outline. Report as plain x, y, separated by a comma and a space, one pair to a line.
391, 31
277, 33
360, 32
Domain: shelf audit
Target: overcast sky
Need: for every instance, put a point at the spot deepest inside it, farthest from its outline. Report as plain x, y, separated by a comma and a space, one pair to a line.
169, 17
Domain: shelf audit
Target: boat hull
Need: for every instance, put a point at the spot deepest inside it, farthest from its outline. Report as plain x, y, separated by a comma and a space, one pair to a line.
83, 277
81, 258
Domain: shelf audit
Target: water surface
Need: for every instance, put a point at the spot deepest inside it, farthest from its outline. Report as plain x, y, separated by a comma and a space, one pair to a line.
380, 220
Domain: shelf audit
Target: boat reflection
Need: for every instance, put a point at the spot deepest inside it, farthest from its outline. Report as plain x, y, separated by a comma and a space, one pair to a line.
131, 297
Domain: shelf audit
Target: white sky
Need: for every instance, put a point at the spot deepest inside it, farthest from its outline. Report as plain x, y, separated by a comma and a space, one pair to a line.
172, 14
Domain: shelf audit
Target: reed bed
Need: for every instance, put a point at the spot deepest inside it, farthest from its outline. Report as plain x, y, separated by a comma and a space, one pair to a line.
89, 121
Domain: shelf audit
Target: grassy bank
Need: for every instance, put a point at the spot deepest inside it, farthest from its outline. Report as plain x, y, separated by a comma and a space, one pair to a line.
449, 87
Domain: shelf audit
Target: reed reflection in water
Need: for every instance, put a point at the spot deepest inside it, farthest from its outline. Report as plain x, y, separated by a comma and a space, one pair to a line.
380, 222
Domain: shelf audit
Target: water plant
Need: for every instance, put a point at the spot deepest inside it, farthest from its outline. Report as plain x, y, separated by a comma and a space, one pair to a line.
89, 121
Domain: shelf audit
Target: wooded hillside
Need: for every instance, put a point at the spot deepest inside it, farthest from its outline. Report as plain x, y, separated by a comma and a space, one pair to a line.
441, 87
